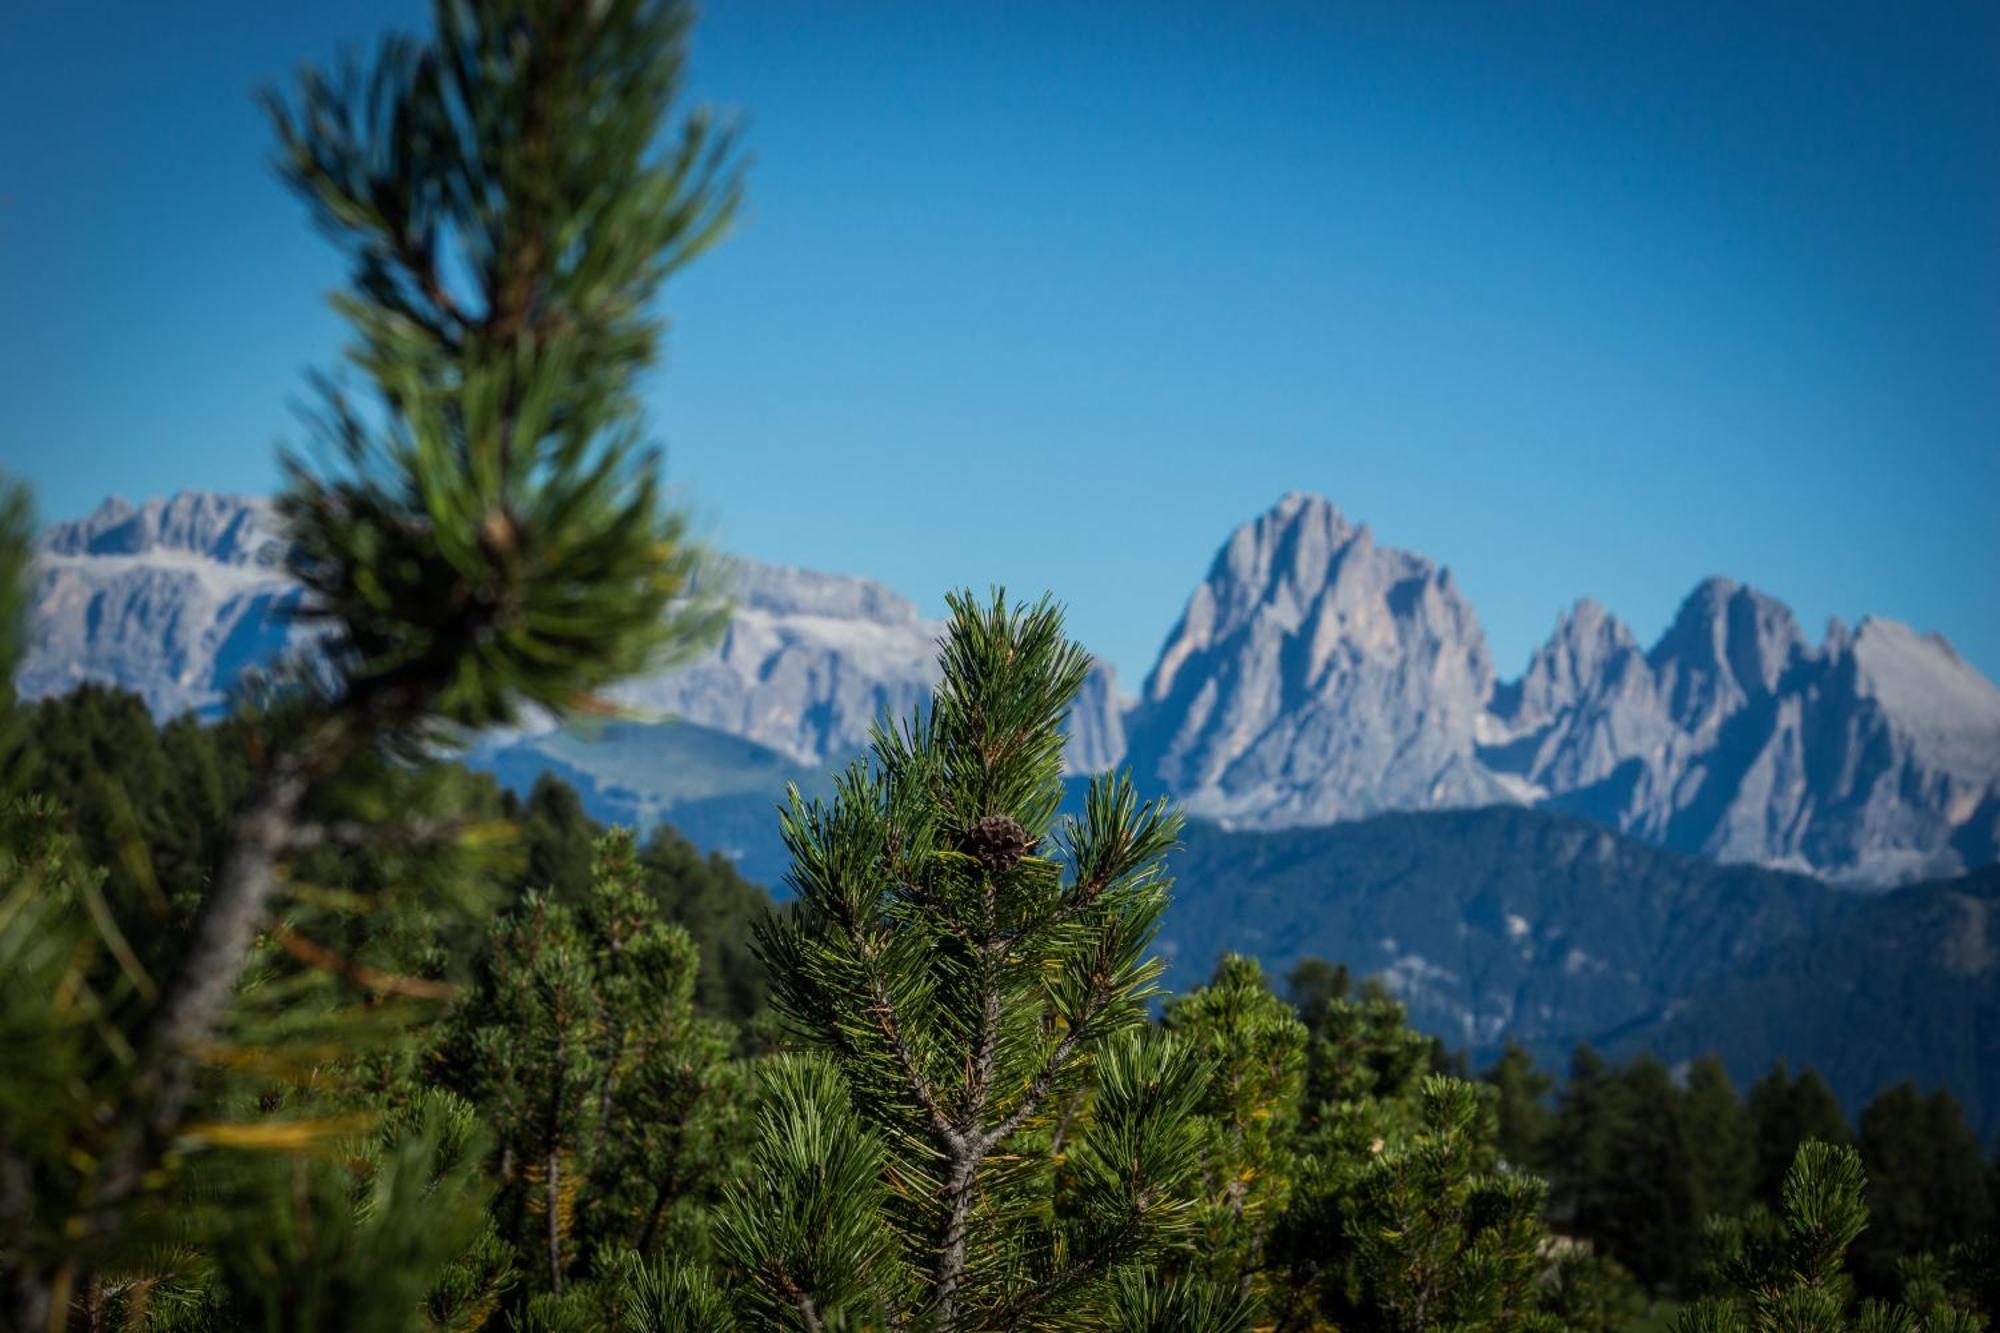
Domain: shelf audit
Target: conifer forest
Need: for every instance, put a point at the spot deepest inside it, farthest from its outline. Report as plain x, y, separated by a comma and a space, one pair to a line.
305, 1025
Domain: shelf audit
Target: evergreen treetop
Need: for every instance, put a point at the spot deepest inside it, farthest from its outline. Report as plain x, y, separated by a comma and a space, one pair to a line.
971, 966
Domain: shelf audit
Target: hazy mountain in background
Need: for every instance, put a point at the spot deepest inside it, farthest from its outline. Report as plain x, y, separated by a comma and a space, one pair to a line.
1873, 757
1314, 677
172, 600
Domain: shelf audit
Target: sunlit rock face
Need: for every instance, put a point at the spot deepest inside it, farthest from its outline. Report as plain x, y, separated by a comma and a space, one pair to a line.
1316, 676
1873, 757
171, 599
175, 598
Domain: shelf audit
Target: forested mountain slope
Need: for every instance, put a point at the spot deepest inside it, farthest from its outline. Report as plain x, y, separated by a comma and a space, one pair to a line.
1513, 923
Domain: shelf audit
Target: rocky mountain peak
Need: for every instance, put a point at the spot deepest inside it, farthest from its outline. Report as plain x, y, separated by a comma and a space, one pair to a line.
229, 530
172, 599
1589, 647
1728, 644
1282, 559
1313, 675
1935, 695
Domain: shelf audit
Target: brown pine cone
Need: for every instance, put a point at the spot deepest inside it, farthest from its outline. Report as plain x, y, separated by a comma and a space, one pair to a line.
997, 841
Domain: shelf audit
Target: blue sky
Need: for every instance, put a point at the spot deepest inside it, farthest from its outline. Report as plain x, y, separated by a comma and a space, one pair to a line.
1578, 300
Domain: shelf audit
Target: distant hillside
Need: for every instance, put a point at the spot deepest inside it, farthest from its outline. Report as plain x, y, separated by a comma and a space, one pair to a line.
719, 790
1512, 922
1902, 986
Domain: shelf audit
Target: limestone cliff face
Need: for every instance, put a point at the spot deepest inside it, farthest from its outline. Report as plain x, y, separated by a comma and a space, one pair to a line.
171, 599
1873, 757
175, 598
1316, 676
809, 661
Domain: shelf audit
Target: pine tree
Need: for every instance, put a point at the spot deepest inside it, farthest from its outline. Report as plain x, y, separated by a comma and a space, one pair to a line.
558, 839
388, 1232
706, 895
1625, 1173
1786, 1113
970, 969
1403, 1213
1721, 1141
1249, 1118
1526, 1122
1787, 1273
608, 1096
488, 533
1361, 1051
1423, 1232
1926, 1189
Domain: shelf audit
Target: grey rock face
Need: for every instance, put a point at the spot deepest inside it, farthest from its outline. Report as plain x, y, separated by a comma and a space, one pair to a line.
809, 661
1873, 758
1315, 676
1587, 702
172, 599
175, 598
1097, 723
806, 664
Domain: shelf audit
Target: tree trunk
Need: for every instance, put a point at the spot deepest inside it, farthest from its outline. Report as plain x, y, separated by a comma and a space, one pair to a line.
192, 1005
554, 1172
951, 1253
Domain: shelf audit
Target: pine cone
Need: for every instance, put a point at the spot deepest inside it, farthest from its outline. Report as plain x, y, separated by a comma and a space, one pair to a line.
997, 841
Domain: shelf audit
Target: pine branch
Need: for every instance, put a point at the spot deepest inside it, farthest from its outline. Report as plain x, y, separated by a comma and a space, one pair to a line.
369, 978
1051, 1070
884, 1011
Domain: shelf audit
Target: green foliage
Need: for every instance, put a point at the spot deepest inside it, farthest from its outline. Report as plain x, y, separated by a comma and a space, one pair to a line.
1422, 1232
497, 539
1788, 1272
1249, 1119
1720, 1140
1361, 1051
1786, 1113
972, 967
150, 804
1927, 1185
806, 1225
1142, 1301
1522, 1104
607, 1095
383, 1237
17, 532
1589, 1292
62, 1034
706, 896
677, 1298
1626, 1178
558, 839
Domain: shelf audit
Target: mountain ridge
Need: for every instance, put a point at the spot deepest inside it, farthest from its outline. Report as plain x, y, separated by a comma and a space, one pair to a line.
1314, 676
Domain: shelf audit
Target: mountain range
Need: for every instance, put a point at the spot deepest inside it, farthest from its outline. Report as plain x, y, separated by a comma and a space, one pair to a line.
1315, 676
1644, 848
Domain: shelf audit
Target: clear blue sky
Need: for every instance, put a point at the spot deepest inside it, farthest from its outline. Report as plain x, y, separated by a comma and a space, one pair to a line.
1579, 300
